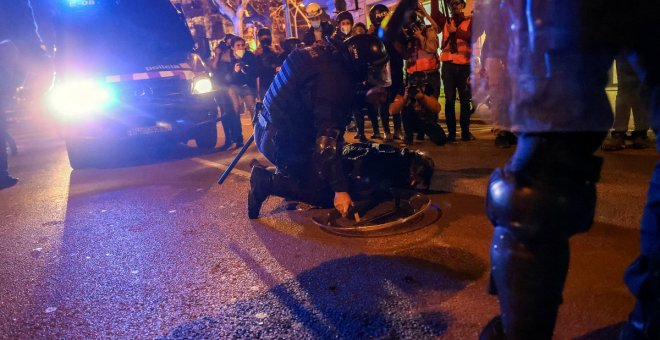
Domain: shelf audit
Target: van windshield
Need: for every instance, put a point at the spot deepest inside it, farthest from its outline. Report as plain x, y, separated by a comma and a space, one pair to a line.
114, 36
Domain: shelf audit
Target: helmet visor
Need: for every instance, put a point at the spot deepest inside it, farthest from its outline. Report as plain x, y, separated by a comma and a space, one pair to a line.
379, 75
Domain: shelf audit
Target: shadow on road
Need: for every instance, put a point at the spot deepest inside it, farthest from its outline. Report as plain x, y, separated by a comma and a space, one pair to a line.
141, 152
610, 332
355, 297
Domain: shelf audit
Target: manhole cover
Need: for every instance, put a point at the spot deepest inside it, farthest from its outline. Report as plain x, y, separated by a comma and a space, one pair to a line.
407, 211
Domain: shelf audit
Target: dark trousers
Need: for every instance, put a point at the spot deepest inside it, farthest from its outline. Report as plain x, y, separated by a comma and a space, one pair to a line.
231, 122
455, 78
434, 81
359, 120
425, 125
628, 97
4, 166
380, 110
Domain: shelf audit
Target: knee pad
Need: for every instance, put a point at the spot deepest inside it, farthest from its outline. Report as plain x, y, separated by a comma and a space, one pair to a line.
538, 210
548, 190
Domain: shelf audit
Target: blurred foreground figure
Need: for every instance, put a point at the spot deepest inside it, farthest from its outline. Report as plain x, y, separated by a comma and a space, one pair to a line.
558, 55
20, 53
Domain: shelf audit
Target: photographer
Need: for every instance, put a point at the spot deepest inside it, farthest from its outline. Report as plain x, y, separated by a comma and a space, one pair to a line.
422, 51
420, 110
242, 79
219, 64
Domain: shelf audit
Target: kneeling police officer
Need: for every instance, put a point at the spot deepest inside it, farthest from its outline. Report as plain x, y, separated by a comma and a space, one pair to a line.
306, 110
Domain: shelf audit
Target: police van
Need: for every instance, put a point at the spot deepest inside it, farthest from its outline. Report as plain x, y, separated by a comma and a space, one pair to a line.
125, 72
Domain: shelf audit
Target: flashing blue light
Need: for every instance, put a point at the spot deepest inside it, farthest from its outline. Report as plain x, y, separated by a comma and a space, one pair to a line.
81, 3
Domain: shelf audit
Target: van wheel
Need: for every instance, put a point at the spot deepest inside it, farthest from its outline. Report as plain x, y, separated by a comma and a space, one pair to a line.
80, 154
206, 136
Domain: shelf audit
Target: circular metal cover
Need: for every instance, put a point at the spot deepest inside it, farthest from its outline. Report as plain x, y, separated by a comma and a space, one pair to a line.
407, 211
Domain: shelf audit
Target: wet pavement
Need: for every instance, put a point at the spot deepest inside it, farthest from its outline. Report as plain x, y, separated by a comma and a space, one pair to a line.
150, 246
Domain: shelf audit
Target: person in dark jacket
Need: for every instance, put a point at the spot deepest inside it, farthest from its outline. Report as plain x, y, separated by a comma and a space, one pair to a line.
306, 110
241, 74
219, 64
320, 27
377, 14
20, 53
268, 55
344, 26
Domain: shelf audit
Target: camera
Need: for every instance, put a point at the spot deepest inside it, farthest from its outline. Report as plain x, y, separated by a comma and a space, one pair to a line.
410, 28
416, 83
413, 90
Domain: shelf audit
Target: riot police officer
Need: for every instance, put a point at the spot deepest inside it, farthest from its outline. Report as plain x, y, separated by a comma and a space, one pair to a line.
306, 110
557, 57
20, 53
344, 26
377, 14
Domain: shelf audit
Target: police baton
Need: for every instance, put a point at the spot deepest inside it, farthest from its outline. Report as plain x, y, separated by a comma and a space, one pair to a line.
257, 111
233, 163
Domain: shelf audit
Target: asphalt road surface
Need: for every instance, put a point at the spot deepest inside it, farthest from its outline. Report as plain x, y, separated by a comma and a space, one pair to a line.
150, 246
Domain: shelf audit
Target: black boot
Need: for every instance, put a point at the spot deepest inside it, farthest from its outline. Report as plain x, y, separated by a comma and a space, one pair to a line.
493, 330
501, 141
7, 181
225, 146
261, 183
640, 140
616, 143
643, 323
529, 280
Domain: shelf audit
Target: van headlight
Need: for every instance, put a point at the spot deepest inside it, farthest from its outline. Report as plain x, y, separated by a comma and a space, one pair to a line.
202, 85
75, 98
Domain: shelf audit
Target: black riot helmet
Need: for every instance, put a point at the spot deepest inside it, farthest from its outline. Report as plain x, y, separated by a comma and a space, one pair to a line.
262, 32
291, 44
345, 15
378, 13
369, 59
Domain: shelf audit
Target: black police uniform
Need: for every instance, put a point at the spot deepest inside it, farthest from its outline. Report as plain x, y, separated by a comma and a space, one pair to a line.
268, 61
308, 103
20, 48
396, 67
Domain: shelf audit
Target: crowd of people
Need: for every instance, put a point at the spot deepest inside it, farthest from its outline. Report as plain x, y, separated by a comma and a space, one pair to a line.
406, 111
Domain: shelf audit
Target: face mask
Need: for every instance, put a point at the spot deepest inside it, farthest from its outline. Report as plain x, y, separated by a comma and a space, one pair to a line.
346, 29
266, 41
316, 23
239, 53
